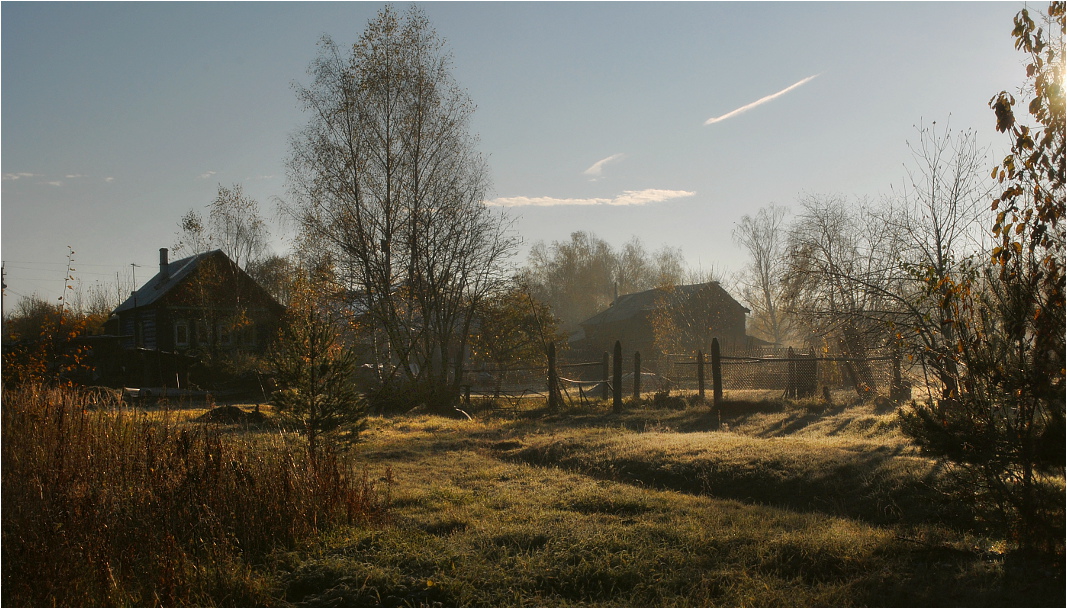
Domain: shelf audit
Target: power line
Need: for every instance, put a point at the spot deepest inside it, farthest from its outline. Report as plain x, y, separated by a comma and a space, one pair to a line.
78, 272
61, 265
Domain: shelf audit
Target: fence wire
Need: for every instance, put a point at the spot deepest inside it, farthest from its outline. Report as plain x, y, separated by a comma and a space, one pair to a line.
794, 374
797, 374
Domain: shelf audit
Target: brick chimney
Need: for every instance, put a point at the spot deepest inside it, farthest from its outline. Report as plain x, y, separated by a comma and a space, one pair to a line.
164, 264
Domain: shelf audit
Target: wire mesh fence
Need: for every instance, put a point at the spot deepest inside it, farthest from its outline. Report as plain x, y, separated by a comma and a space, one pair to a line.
794, 374
768, 372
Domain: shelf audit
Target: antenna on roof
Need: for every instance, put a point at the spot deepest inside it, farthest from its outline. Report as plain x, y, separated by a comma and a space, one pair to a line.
133, 266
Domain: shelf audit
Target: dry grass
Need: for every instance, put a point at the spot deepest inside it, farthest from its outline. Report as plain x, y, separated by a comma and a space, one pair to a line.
768, 503
113, 506
650, 508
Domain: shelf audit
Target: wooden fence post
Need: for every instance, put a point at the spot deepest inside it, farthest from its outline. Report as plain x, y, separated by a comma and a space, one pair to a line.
791, 375
553, 379
813, 385
637, 376
716, 373
607, 371
700, 375
616, 379
901, 390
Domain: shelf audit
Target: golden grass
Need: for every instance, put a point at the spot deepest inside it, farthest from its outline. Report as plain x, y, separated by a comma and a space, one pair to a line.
765, 504
592, 508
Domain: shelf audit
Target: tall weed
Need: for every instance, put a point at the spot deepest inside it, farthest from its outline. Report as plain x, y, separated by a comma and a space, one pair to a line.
106, 507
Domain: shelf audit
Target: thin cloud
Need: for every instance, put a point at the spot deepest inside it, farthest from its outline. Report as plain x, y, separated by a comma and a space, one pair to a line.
207, 174
109, 179
629, 197
74, 176
597, 169
760, 101
18, 176
56, 183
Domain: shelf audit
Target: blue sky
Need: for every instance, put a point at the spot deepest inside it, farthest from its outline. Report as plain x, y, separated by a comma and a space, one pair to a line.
117, 118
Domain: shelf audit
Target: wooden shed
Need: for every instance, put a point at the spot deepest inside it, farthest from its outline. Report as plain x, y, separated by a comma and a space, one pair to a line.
680, 318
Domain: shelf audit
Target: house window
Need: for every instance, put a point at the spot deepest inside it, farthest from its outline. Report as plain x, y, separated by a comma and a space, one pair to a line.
181, 334
203, 335
248, 335
225, 334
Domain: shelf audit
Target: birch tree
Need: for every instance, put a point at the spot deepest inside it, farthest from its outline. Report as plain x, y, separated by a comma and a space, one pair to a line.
763, 280
388, 187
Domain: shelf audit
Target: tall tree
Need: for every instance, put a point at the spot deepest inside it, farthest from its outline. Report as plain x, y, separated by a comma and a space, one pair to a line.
576, 278
940, 218
238, 229
763, 280
235, 227
386, 180
276, 274
842, 277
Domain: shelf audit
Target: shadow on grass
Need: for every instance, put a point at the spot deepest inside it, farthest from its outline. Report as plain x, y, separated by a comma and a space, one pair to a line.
879, 485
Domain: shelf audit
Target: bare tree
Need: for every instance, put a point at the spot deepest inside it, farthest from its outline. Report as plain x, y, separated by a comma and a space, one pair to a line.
388, 188
943, 199
763, 280
237, 228
234, 226
859, 273
942, 219
843, 275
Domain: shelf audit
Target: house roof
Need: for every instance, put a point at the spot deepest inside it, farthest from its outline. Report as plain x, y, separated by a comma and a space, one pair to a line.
631, 305
156, 287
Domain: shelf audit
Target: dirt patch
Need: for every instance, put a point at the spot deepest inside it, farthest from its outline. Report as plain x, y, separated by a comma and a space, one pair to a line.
232, 415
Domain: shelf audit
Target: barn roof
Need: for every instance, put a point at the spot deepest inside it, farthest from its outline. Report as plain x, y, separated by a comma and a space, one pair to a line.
632, 305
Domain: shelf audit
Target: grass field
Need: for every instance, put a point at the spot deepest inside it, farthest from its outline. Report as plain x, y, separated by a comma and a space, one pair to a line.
795, 505
766, 504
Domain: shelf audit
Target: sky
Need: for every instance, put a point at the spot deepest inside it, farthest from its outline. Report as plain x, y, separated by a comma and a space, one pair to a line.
665, 121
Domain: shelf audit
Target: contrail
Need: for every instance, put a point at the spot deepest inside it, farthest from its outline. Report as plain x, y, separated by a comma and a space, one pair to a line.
758, 102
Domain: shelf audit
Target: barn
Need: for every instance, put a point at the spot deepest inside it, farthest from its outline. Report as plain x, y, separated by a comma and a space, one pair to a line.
674, 319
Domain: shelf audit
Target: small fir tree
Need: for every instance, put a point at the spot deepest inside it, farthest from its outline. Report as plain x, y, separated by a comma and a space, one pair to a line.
314, 370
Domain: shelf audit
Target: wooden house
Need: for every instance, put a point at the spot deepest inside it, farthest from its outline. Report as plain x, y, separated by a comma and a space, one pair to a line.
199, 305
675, 319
